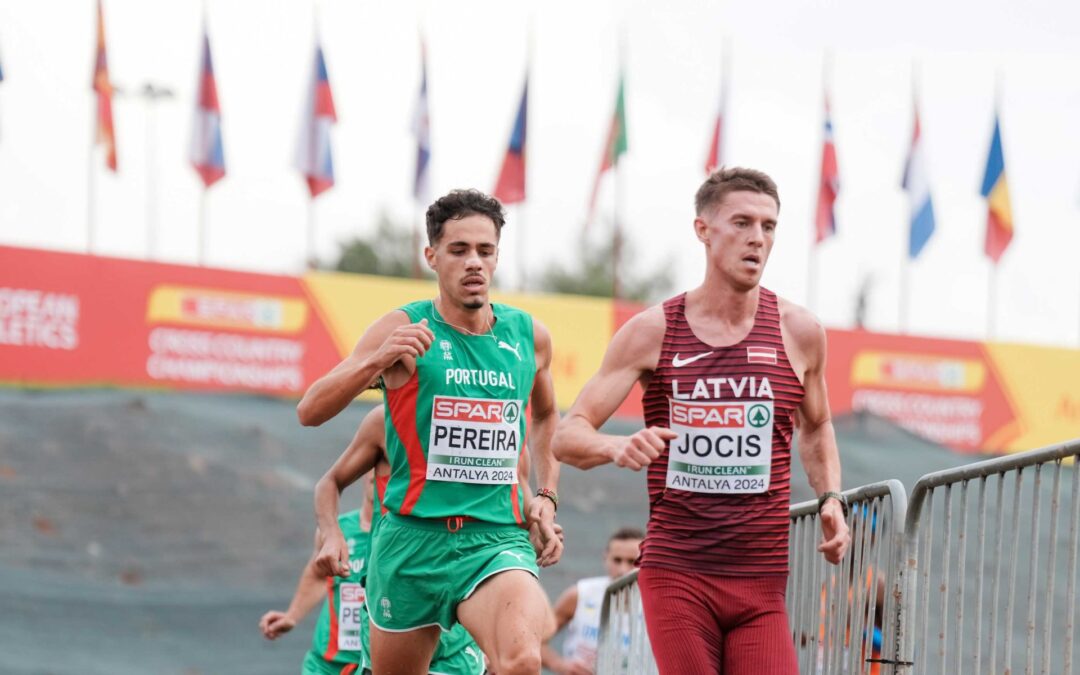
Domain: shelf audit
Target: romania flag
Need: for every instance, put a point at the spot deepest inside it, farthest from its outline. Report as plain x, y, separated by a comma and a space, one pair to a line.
999, 222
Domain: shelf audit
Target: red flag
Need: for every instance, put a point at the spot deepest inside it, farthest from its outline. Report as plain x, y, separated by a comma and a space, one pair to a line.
829, 188
510, 186
105, 134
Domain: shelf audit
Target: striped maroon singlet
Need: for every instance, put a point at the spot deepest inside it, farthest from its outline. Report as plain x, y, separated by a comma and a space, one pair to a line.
718, 499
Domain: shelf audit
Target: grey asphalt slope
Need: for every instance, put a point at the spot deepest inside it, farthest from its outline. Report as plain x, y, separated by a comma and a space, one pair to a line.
147, 532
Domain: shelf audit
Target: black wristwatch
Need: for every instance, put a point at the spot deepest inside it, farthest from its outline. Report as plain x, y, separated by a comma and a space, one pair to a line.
833, 495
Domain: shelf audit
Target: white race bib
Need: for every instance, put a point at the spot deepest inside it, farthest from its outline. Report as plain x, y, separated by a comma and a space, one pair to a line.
349, 616
474, 440
722, 447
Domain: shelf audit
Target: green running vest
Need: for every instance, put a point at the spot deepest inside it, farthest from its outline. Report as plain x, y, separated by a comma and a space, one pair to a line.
455, 430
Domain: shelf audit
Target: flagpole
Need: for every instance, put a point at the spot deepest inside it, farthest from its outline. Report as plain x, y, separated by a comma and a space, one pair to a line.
91, 183
418, 218
310, 261
991, 296
203, 211
521, 260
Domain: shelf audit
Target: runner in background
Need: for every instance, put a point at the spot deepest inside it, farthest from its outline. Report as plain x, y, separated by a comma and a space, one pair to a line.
336, 645
578, 608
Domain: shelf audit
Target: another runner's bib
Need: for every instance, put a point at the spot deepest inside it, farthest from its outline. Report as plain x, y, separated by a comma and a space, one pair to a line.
723, 447
474, 440
350, 616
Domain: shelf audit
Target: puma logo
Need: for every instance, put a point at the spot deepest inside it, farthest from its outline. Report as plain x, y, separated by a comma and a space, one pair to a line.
514, 554
679, 363
507, 347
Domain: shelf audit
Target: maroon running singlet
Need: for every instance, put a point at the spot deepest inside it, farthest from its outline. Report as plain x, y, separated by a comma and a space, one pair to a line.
718, 497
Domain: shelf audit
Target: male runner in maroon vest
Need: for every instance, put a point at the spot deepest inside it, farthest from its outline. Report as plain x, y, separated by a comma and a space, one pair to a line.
729, 371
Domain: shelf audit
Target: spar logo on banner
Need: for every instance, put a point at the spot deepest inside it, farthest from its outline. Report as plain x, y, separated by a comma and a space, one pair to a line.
226, 338
226, 309
36, 318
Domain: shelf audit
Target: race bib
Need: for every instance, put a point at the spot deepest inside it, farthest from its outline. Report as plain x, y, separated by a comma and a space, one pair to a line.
474, 440
722, 448
349, 616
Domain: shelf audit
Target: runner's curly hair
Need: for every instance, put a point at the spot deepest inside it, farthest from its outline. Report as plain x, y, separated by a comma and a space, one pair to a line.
458, 204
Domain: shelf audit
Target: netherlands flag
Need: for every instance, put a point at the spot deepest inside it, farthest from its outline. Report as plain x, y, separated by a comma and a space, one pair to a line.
313, 156
917, 184
207, 151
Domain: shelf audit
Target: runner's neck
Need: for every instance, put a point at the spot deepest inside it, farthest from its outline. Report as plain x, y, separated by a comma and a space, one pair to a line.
719, 314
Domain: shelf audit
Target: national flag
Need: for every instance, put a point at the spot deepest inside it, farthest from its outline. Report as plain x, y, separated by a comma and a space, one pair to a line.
761, 355
314, 158
617, 143
510, 186
715, 158
104, 132
207, 151
829, 186
422, 131
917, 183
999, 222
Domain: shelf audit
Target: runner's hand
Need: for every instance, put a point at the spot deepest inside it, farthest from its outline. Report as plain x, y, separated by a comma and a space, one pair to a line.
413, 339
542, 518
333, 558
538, 545
638, 451
275, 623
835, 532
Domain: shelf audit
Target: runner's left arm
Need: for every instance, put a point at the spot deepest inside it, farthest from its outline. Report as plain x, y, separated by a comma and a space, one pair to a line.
817, 438
310, 591
545, 416
359, 458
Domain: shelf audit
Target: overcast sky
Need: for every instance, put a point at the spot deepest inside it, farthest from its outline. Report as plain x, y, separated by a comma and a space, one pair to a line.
478, 52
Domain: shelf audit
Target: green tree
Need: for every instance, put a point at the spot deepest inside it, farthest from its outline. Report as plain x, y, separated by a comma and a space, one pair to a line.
387, 252
593, 275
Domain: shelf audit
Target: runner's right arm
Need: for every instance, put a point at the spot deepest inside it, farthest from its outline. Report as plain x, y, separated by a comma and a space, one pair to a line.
631, 356
364, 451
389, 341
310, 590
563, 610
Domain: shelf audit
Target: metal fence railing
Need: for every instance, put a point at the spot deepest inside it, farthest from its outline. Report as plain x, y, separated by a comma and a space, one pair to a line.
840, 613
976, 573
624, 644
989, 566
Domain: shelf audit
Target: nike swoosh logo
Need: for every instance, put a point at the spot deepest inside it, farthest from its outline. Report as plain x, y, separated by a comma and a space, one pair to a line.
679, 363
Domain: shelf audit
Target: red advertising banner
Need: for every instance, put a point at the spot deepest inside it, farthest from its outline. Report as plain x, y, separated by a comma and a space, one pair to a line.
68, 319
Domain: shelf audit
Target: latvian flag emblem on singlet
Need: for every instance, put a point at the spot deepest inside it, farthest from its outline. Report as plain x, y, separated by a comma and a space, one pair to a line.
761, 355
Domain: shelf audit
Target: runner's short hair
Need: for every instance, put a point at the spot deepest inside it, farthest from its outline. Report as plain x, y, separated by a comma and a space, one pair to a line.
724, 181
626, 534
458, 204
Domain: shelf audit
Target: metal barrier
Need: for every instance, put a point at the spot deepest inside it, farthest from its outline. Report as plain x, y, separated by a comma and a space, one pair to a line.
840, 613
938, 577
974, 537
829, 611
624, 644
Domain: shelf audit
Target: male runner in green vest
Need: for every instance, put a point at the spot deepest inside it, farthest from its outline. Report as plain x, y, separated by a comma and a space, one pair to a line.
457, 373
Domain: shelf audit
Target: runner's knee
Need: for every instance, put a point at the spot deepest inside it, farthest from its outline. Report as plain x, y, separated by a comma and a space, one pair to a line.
523, 660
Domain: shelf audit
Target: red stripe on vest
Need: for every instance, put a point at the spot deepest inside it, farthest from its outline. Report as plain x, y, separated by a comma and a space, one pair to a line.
332, 642
402, 403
